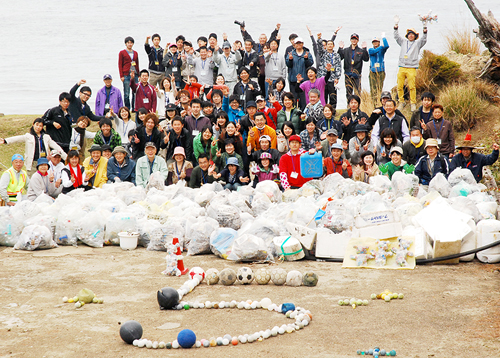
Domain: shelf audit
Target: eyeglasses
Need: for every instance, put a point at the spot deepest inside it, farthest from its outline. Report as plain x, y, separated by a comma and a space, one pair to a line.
86, 94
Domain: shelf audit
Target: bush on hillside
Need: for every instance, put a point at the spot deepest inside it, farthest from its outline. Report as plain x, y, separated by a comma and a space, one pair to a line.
463, 41
435, 71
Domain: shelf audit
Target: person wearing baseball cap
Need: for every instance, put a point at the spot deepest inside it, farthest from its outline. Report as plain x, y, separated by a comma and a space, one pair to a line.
14, 181
380, 111
353, 57
289, 166
377, 66
265, 147
120, 167
297, 61
96, 168
475, 162
408, 62
429, 165
107, 98
56, 166
397, 164
335, 163
149, 164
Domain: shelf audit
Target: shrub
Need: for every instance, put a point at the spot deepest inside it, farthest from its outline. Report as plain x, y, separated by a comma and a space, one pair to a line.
463, 41
435, 71
367, 104
463, 106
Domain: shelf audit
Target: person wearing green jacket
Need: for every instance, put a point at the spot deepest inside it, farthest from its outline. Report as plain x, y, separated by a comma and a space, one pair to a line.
149, 164
289, 113
220, 159
205, 142
397, 164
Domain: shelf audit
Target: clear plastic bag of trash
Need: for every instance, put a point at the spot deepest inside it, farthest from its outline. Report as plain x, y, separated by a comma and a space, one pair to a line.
337, 220
169, 230
116, 223
240, 202
332, 182
145, 228
221, 241
380, 183
403, 184
158, 197
303, 210
260, 203
65, 233
441, 185
156, 181
23, 210
43, 198
90, 228
226, 215
270, 189
199, 234
45, 220
9, 229
35, 237
407, 211
249, 248
466, 206
462, 189
461, 174
265, 228
312, 188
291, 195
133, 195
488, 209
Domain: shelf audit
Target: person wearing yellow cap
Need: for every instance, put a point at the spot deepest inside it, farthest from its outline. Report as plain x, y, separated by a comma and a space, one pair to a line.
14, 181
408, 61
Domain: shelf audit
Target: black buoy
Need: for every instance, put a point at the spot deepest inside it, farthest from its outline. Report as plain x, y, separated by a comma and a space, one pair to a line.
168, 298
130, 331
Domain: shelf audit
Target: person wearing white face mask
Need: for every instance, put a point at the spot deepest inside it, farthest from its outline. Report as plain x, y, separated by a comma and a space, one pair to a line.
413, 149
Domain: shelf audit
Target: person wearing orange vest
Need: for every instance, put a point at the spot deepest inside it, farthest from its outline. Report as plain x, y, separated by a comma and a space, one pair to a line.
14, 181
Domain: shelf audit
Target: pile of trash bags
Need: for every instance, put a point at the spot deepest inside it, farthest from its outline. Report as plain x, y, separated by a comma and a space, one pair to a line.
241, 225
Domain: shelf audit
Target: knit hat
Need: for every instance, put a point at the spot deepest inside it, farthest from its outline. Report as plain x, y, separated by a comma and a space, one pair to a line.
295, 137
431, 142
232, 161
412, 30
266, 155
41, 161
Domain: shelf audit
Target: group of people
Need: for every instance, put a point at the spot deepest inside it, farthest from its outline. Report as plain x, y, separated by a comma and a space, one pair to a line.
223, 114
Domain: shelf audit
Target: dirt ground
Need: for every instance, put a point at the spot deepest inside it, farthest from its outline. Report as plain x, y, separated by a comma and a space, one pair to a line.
448, 311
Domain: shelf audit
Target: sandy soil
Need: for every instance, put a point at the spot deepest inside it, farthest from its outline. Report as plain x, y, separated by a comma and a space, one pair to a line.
447, 310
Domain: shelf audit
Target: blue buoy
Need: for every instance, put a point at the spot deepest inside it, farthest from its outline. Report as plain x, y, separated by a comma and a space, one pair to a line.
186, 338
285, 307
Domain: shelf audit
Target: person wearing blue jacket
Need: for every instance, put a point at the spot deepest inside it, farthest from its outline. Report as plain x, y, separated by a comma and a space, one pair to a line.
120, 168
231, 106
297, 61
377, 66
473, 161
429, 165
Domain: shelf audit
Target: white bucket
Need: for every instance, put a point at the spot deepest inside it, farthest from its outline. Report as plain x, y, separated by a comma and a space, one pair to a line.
128, 240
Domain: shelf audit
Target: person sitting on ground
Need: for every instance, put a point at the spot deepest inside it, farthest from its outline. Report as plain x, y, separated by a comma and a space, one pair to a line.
41, 182
231, 132
203, 174
442, 130
360, 143
384, 147
380, 111
14, 181
289, 113
429, 165
391, 120
397, 164
283, 135
55, 165
73, 174
96, 168
260, 129
232, 175
414, 148
149, 164
335, 164
328, 121
107, 135
120, 167
264, 169
180, 168
424, 113
205, 142
332, 137
366, 169
311, 135
265, 147
475, 162
37, 144
352, 117
290, 165
147, 133
221, 157
79, 134
107, 152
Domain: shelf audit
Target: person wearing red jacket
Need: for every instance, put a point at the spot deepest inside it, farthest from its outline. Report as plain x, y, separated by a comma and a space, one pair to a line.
145, 95
290, 165
128, 63
335, 164
271, 113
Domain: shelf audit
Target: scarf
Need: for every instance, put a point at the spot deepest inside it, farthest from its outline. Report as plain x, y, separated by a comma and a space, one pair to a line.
78, 177
419, 144
43, 175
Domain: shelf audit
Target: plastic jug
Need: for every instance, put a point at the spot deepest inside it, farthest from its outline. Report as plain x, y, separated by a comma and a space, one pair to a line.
311, 165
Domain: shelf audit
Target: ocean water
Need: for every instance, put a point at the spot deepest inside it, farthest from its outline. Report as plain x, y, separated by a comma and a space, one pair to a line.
47, 46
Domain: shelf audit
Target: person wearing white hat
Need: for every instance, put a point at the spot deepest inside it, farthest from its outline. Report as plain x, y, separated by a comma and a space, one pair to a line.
429, 165
377, 66
397, 164
408, 62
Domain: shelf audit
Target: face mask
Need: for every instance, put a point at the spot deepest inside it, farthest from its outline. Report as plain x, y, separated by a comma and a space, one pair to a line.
415, 139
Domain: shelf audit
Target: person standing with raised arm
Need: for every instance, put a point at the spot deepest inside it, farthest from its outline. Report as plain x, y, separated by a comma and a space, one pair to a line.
353, 57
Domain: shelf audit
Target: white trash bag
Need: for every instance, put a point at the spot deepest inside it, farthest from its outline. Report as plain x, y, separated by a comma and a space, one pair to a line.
35, 237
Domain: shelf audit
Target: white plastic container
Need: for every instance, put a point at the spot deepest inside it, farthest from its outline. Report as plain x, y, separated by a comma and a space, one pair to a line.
290, 246
128, 240
488, 231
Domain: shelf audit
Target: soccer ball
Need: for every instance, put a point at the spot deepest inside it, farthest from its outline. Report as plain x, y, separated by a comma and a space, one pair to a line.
310, 279
212, 276
278, 276
262, 276
227, 277
294, 278
245, 275
197, 271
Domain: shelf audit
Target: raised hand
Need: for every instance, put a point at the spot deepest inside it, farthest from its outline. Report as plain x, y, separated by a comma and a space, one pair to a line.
290, 56
167, 137
328, 66
308, 29
272, 99
396, 19
423, 125
211, 169
345, 145
318, 146
344, 164
363, 44
319, 35
244, 180
81, 82
2, 141
306, 56
341, 44
356, 146
338, 29
219, 153
299, 78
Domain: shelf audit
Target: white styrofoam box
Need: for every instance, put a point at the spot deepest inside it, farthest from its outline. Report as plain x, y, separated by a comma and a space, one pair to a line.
421, 241
376, 218
331, 245
305, 235
288, 245
382, 231
469, 242
488, 231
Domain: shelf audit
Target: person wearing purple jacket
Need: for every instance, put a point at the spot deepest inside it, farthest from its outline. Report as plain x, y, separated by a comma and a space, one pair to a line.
108, 97
314, 82
196, 121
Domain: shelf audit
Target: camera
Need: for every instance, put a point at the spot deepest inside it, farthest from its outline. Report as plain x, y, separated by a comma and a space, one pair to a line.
240, 23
